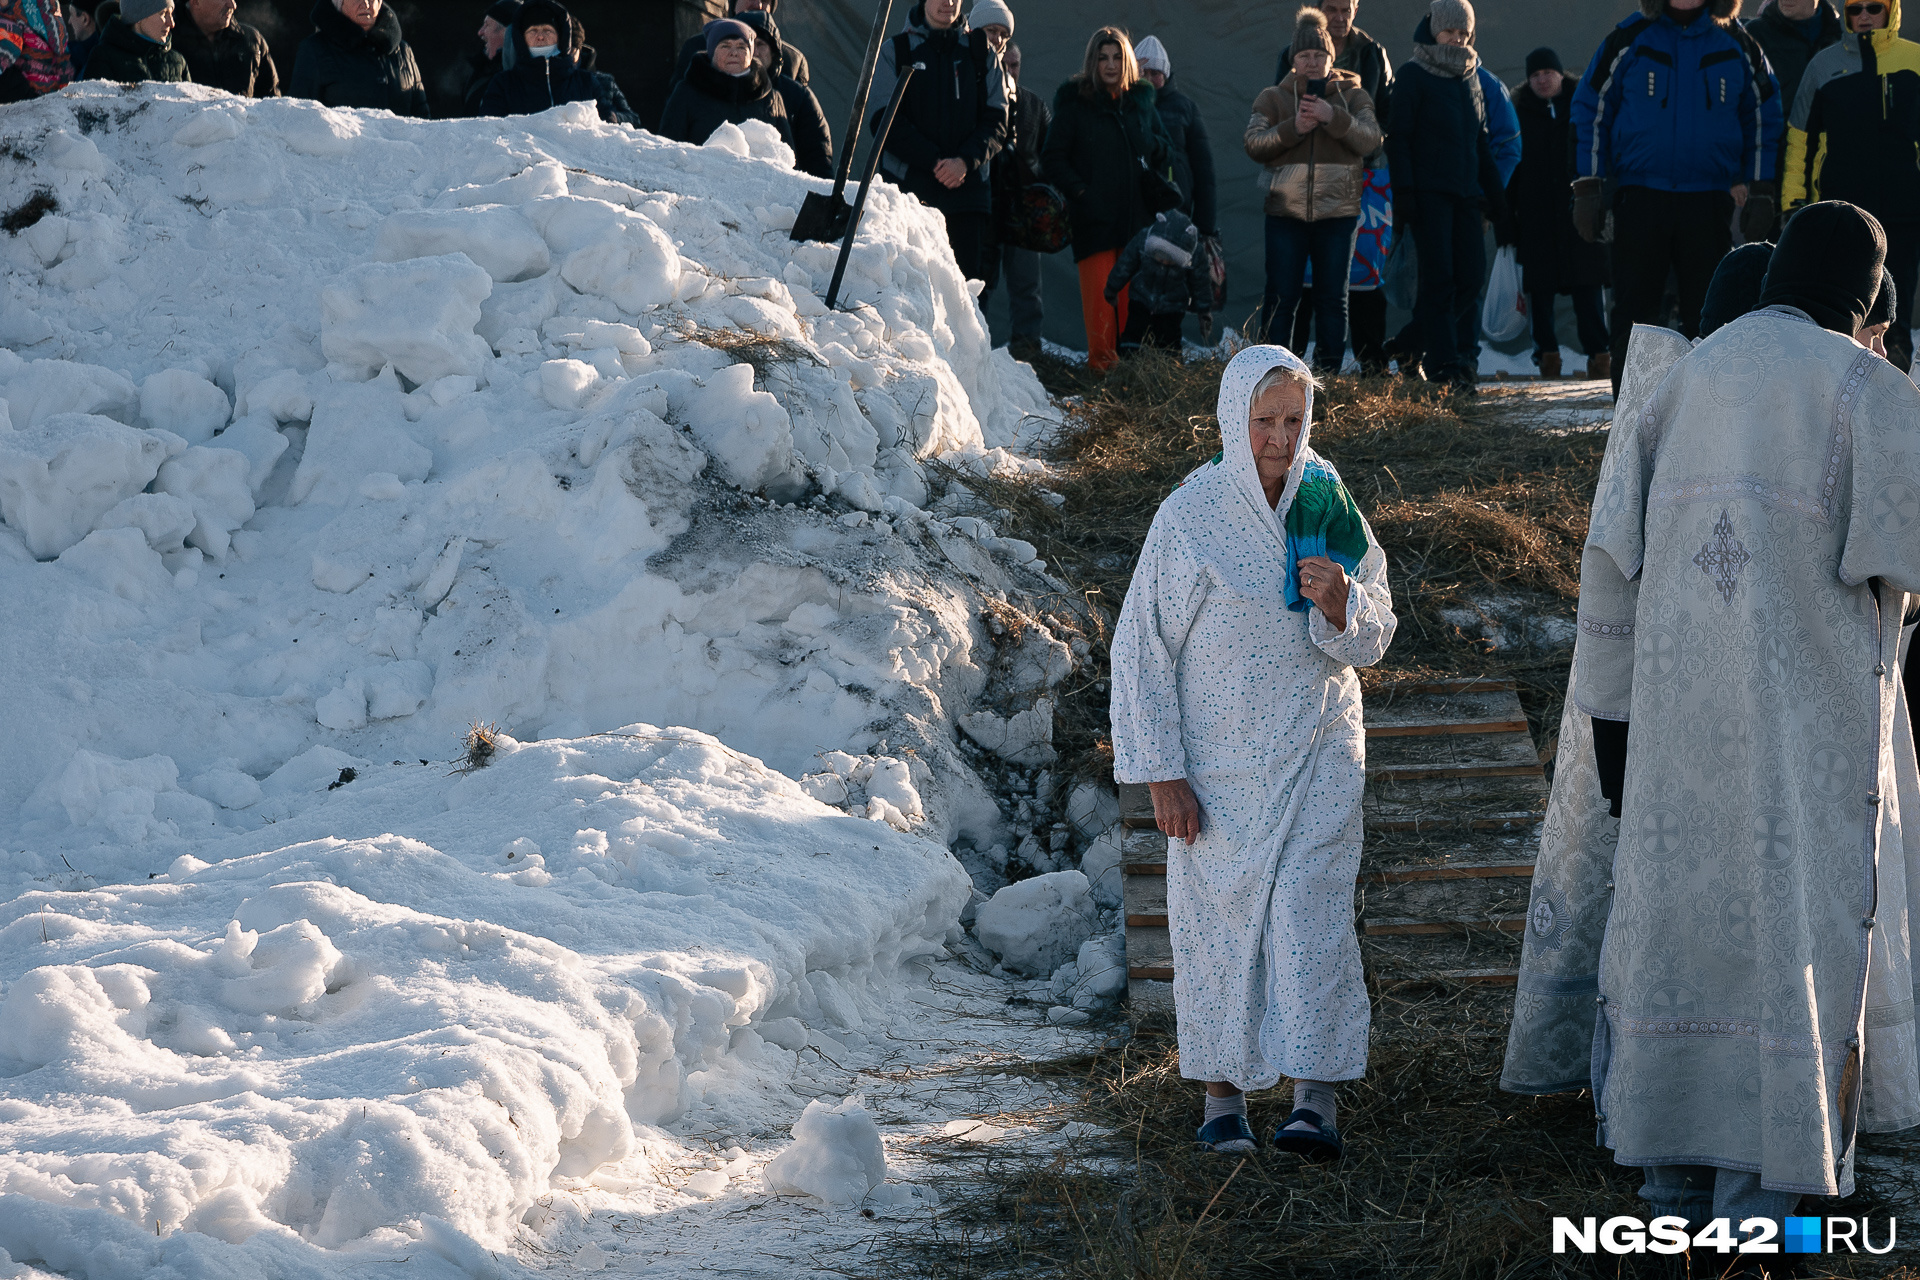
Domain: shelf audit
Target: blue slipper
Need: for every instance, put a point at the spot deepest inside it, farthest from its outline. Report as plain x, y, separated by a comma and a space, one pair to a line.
1320, 1144
1228, 1135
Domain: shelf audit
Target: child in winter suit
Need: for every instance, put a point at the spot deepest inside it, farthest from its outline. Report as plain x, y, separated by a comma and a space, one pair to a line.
1169, 277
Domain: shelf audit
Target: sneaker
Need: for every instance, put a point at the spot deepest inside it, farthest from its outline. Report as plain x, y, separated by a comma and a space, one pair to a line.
1228, 1135
1321, 1144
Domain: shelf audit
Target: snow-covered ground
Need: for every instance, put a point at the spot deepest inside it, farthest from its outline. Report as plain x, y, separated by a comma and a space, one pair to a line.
328, 436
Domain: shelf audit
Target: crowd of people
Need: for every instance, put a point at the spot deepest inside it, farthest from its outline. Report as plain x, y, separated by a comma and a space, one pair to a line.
1690, 132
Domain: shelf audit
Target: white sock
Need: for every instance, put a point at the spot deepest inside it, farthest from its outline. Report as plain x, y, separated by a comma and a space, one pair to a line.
1311, 1095
1233, 1106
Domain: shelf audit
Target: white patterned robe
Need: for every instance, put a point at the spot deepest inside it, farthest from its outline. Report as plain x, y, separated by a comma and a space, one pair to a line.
1754, 538
1216, 681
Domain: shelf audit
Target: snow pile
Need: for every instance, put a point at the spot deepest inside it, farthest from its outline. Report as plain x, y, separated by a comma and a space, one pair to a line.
836, 1156
325, 435
1037, 925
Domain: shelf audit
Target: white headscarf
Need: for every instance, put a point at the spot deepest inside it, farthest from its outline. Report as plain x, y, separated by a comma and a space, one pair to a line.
1234, 408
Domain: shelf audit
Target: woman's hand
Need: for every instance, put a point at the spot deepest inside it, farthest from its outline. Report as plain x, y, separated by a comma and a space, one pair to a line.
1325, 583
1319, 110
1304, 121
1176, 810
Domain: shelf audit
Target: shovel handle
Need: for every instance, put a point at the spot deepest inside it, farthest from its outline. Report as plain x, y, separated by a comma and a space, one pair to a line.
851, 139
866, 182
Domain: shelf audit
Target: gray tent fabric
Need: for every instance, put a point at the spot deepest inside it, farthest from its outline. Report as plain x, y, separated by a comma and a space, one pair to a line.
1223, 54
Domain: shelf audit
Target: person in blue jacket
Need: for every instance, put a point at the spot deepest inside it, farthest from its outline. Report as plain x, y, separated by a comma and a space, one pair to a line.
1503, 138
1679, 117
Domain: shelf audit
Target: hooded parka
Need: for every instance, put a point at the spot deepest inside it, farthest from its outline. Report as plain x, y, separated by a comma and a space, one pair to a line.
527, 84
234, 58
342, 66
126, 55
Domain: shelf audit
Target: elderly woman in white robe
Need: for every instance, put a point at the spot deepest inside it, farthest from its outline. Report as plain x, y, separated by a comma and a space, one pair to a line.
1259, 590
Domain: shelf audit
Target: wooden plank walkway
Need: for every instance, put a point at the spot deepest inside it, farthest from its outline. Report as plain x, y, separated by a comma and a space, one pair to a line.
1455, 794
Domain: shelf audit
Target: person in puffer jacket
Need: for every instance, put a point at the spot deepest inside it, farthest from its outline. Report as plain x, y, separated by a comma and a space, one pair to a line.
1315, 148
1680, 116
542, 70
1854, 135
1168, 277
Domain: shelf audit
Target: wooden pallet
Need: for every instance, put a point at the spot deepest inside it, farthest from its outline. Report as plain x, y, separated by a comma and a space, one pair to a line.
1454, 797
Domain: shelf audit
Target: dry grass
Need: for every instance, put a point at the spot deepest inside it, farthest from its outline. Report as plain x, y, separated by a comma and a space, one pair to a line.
1445, 1177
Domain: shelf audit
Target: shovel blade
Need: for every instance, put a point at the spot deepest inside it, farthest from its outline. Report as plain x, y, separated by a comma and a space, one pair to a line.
822, 217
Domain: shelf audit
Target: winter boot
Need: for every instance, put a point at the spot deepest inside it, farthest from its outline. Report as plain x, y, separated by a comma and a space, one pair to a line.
1549, 362
1600, 367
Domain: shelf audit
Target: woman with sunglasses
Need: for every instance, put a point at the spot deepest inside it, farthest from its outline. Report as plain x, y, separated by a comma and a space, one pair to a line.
1852, 135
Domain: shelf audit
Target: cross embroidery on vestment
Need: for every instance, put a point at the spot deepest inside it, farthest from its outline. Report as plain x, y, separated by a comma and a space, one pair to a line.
1723, 557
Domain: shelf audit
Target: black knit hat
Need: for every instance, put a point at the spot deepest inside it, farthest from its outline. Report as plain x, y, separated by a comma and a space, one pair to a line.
1543, 59
504, 11
1735, 289
1887, 304
1828, 264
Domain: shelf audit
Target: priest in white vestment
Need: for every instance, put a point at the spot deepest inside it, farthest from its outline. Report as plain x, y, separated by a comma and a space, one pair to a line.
1260, 588
1755, 535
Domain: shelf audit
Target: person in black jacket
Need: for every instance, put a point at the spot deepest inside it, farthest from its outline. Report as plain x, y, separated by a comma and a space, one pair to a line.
356, 57
223, 53
792, 61
1553, 257
953, 121
1356, 51
135, 46
1190, 151
484, 65
1790, 32
724, 86
812, 135
1018, 169
1105, 145
1441, 159
543, 71
613, 104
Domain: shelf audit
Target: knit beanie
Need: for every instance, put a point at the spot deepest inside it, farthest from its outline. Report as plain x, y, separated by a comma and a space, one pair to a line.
1543, 59
1310, 32
1828, 264
1884, 306
1152, 56
994, 13
132, 11
1452, 15
1735, 289
726, 29
504, 11
536, 13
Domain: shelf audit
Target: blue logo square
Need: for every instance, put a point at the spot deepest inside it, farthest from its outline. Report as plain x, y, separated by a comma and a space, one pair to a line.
1803, 1235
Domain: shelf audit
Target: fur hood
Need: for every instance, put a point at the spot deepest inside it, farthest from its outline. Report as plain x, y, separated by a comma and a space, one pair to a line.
1723, 11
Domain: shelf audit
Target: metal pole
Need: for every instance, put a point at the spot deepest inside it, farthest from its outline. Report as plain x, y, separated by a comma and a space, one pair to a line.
854, 126
873, 163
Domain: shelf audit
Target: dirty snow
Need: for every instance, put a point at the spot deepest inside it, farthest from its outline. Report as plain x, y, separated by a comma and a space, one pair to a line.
327, 436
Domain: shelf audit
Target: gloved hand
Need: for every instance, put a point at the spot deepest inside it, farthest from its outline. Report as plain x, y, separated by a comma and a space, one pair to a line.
1589, 208
1758, 214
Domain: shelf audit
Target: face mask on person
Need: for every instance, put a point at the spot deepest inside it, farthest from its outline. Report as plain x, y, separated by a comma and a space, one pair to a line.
544, 50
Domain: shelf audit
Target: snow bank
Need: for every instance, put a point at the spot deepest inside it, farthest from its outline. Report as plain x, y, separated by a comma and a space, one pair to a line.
326, 435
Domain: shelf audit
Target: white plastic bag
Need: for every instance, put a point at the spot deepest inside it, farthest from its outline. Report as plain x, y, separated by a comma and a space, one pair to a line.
1504, 318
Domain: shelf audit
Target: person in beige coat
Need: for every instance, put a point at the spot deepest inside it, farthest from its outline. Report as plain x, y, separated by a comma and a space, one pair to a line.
1313, 131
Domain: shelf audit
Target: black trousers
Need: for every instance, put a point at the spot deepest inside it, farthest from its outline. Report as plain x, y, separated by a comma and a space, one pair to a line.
1657, 232
1152, 329
1366, 327
1588, 314
1903, 261
1453, 267
971, 235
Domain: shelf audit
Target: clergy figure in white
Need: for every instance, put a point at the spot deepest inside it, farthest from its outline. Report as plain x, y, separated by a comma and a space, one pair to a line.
1234, 695
1755, 538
